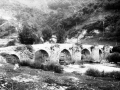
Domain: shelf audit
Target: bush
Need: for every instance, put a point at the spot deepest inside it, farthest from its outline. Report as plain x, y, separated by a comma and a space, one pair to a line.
114, 57
96, 73
56, 68
116, 49
112, 5
47, 34
93, 72
50, 67
24, 63
27, 35
36, 65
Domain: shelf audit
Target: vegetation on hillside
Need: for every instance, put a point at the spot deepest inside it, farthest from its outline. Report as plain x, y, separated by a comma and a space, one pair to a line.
65, 16
28, 35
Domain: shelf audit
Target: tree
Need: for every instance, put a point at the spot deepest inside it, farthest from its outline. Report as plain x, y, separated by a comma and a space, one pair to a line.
61, 35
47, 34
27, 35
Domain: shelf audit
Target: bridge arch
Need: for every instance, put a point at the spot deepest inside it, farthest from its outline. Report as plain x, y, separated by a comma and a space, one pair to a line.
65, 57
85, 54
41, 56
85, 51
100, 51
15, 58
11, 58
100, 54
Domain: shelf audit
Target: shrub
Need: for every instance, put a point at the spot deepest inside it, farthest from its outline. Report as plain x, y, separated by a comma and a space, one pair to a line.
58, 69
96, 73
93, 72
112, 5
113, 57
36, 65
116, 49
49, 67
24, 63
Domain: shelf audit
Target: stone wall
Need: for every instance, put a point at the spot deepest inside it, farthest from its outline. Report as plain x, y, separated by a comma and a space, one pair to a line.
53, 53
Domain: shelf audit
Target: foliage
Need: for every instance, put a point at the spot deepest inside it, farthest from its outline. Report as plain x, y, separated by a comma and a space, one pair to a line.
56, 68
96, 73
47, 34
114, 57
114, 23
47, 67
64, 20
112, 5
24, 63
61, 35
109, 21
97, 25
64, 14
28, 36
93, 72
116, 49
6, 31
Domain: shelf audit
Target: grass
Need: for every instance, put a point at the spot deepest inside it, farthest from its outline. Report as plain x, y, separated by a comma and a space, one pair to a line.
96, 73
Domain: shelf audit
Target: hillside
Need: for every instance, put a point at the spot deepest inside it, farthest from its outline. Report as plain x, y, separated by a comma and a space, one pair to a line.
61, 17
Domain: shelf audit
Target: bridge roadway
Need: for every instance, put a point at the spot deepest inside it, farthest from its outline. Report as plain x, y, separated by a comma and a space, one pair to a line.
55, 53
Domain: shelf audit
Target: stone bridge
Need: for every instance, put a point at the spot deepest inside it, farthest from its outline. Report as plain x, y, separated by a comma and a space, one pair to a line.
55, 53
